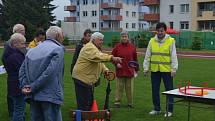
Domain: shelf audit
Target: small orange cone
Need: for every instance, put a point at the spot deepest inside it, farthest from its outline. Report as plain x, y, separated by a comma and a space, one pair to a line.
94, 106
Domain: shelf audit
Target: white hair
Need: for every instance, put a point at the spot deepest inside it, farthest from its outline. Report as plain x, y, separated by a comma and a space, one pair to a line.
53, 31
96, 35
16, 38
17, 27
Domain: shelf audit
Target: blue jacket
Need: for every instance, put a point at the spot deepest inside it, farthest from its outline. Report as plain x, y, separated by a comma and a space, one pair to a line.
43, 70
12, 60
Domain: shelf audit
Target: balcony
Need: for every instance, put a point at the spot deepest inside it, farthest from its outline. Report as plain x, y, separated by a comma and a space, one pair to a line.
111, 18
70, 19
206, 15
111, 29
151, 2
70, 8
152, 17
111, 5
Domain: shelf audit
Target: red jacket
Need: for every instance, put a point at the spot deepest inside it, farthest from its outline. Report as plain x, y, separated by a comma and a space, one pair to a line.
127, 51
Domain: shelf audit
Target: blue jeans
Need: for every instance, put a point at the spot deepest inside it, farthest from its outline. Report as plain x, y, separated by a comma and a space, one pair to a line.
168, 84
44, 111
19, 108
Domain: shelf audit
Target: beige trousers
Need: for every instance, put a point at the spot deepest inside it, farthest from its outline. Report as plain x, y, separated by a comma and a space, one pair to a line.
127, 84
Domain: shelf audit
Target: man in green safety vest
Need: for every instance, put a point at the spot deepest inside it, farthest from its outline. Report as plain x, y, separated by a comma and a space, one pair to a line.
161, 60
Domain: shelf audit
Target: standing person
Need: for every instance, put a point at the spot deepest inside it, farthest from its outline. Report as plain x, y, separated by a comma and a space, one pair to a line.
12, 59
88, 68
79, 46
39, 37
41, 77
124, 73
17, 28
161, 60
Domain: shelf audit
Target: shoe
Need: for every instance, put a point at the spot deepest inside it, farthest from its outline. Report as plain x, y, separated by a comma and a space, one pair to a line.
130, 106
154, 112
168, 114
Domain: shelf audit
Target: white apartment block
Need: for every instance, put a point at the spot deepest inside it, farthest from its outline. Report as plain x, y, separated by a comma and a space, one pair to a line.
177, 14
107, 15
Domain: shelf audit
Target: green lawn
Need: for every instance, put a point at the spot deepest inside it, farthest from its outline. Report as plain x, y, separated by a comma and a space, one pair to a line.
195, 70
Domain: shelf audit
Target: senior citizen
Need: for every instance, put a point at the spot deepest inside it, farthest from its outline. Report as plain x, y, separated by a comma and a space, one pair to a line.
19, 28
88, 68
41, 77
12, 60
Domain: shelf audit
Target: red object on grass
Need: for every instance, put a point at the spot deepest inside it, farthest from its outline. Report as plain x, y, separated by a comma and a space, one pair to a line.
94, 106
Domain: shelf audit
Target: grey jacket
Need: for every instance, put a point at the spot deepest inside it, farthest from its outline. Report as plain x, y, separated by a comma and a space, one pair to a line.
43, 70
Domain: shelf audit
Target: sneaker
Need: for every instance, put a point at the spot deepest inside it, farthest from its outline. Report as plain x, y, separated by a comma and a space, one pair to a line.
168, 114
154, 112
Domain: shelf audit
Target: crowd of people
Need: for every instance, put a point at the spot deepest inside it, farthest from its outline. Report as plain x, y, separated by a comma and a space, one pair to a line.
35, 73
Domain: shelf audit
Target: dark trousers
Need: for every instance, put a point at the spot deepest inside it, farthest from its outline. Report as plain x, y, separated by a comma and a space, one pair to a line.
168, 84
10, 106
84, 95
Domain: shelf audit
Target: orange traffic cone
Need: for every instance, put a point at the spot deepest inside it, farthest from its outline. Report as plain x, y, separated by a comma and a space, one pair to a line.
94, 106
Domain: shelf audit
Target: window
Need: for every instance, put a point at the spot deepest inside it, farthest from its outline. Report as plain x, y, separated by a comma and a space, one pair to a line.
184, 8
101, 24
127, 13
102, 12
85, 2
84, 13
133, 14
93, 13
93, 1
171, 8
184, 25
126, 25
93, 25
78, 13
171, 25
78, 2
133, 25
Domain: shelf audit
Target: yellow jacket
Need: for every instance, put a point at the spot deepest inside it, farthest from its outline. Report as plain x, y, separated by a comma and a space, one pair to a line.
90, 64
33, 44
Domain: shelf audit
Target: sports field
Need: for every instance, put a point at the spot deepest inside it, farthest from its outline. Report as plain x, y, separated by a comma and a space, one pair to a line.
193, 69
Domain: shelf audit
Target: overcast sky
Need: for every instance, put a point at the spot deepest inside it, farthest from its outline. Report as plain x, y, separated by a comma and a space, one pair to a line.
59, 11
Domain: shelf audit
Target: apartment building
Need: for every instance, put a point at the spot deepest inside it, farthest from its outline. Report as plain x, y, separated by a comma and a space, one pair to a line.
176, 14
107, 15
203, 15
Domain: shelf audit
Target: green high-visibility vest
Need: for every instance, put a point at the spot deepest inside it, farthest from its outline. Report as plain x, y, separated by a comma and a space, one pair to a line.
160, 56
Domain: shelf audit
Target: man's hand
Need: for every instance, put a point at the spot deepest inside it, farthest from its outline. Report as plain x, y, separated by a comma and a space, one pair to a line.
119, 65
146, 72
116, 59
26, 90
173, 73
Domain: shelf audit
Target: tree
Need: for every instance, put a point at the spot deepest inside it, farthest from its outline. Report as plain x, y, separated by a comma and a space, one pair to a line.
32, 14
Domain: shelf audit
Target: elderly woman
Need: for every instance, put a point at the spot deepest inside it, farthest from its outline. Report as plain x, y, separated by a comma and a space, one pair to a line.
88, 68
124, 73
41, 77
12, 59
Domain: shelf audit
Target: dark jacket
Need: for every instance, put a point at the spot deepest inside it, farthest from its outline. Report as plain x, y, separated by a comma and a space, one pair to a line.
127, 51
78, 48
12, 60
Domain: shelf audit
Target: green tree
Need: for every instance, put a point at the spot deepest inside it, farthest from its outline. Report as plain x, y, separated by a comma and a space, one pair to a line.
32, 14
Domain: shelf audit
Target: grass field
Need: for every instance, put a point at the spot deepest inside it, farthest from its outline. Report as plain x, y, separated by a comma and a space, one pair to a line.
195, 70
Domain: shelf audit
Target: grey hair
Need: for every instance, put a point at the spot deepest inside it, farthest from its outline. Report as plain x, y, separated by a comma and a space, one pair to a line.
124, 33
53, 31
96, 35
17, 27
16, 37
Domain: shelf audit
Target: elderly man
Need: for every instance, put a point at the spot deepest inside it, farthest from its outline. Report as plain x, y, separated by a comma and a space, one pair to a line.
41, 77
19, 28
12, 59
88, 68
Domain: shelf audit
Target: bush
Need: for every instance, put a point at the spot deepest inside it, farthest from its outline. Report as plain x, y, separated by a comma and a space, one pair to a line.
66, 41
196, 44
115, 40
143, 40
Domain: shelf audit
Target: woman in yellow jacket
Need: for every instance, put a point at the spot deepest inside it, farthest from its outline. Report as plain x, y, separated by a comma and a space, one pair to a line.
39, 37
